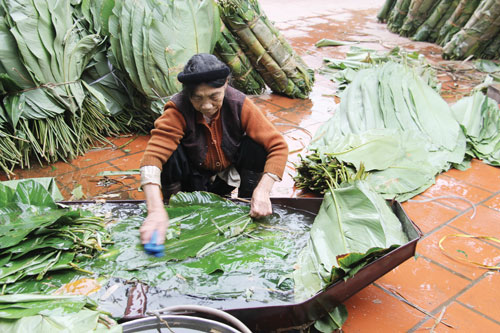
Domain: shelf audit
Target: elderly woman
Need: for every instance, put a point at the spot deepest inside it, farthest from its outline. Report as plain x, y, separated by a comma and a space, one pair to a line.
211, 137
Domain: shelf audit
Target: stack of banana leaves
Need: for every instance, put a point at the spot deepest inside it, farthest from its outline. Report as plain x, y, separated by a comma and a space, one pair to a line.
48, 313
152, 40
48, 112
479, 117
393, 125
463, 27
37, 237
353, 227
73, 73
343, 70
273, 57
244, 76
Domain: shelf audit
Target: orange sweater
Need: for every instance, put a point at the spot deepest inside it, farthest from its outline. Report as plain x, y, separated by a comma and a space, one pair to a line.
169, 130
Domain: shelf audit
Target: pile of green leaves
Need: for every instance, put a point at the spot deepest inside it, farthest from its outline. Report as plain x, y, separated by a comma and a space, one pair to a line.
343, 71
37, 237
74, 72
360, 227
395, 125
354, 226
315, 172
479, 117
47, 111
152, 40
56, 314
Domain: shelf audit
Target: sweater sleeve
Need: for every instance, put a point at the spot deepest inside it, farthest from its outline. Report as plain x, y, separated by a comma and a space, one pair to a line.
165, 137
262, 131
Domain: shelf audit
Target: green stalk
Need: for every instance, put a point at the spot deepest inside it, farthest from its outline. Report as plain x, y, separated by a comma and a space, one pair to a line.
430, 24
458, 19
383, 14
482, 27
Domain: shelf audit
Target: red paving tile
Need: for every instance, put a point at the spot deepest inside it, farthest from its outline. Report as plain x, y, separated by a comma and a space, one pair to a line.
428, 215
483, 296
423, 283
96, 157
461, 319
485, 223
447, 186
373, 310
132, 144
128, 162
472, 249
479, 174
493, 203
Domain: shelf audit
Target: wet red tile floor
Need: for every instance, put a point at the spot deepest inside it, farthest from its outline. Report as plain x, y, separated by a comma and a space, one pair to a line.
413, 295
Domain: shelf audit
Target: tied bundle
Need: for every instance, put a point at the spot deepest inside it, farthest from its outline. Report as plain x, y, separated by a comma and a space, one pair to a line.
273, 57
464, 28
245, 77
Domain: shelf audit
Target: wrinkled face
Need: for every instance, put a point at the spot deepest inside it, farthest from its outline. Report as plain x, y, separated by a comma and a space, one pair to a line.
208, 100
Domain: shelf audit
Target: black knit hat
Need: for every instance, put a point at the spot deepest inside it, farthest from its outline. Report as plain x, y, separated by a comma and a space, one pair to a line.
203, 67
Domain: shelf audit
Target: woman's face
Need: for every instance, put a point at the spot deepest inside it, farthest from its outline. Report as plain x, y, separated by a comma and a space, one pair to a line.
208, 100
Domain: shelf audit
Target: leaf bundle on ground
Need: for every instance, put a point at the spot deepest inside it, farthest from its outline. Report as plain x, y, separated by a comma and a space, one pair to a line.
479, 117
482, 27
44, 50
244, 76
396, 127
272, 56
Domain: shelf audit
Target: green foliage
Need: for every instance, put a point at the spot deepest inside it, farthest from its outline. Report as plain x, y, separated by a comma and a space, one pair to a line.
479, 117
37, 237
40, 313
396, 126
354, 225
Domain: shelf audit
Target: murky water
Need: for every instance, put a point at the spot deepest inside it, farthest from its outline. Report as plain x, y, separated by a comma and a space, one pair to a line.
252, 271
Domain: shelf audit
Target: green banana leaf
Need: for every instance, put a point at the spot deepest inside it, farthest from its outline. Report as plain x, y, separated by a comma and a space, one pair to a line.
37, 237
49, 183
152, 40
396, 126
354, 224
343, 70
479, 117
43, 313
333, 320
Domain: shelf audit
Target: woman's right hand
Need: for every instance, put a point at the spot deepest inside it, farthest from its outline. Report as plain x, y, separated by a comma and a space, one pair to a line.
157, 218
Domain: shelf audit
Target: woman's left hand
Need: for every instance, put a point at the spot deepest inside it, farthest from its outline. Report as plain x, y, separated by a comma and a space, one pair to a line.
260, 205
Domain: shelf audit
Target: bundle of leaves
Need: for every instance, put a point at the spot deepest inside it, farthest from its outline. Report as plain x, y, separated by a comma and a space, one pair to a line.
395, 125
354, 226
38, 237
47, 112
464, 28
315, 172
44, 313
479, 117
343, 71
152, 40
271, 55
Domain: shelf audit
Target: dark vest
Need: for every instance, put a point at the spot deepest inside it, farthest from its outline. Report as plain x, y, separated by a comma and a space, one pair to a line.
194, 140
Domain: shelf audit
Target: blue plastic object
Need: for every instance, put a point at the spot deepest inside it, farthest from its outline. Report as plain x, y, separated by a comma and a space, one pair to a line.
153, 248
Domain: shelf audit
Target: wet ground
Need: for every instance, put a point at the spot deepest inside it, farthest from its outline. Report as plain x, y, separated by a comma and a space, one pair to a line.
412, 296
